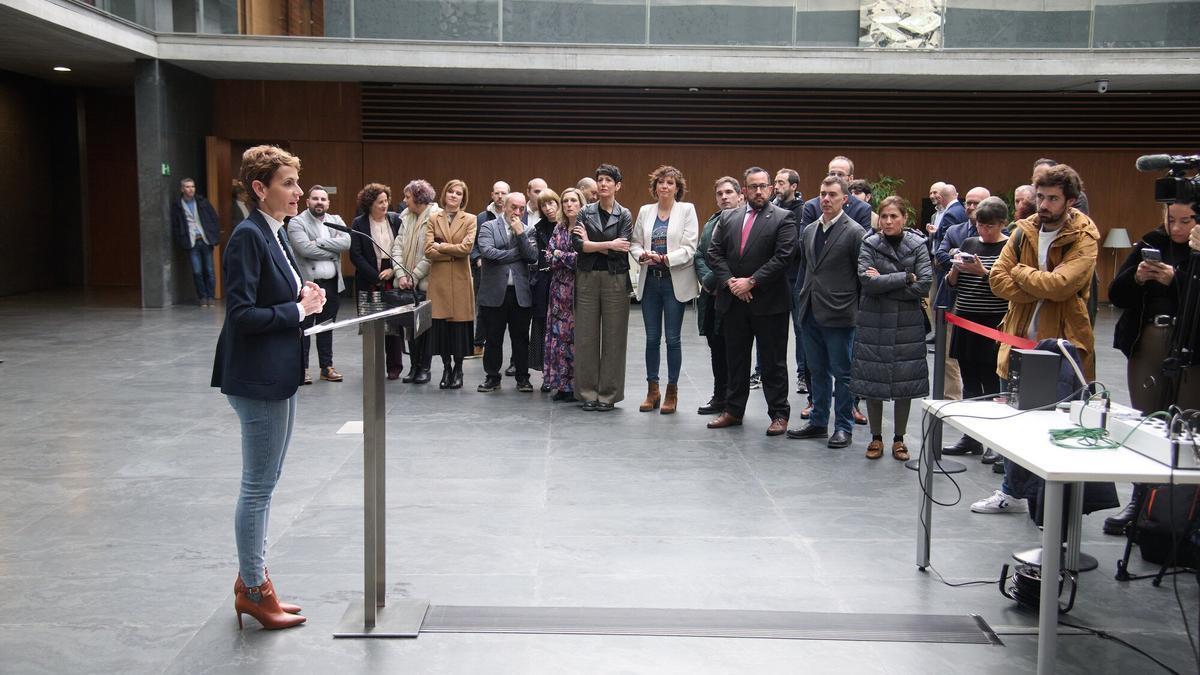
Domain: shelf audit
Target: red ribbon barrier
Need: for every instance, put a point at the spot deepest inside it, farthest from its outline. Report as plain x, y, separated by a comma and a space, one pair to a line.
986, 331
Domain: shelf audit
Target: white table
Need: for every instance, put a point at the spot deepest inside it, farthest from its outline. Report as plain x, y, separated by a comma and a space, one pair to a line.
1025, 439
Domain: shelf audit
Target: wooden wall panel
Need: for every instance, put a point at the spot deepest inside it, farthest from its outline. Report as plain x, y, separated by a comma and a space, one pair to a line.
268, 111
114, 255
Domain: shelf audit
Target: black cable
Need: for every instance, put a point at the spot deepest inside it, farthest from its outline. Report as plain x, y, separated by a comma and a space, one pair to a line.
981, 582
1104, 635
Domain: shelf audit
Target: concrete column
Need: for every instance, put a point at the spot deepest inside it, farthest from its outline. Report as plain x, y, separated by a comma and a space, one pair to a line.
173, 112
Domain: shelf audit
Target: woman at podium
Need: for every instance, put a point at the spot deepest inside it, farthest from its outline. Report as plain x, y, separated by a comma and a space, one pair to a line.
258, 365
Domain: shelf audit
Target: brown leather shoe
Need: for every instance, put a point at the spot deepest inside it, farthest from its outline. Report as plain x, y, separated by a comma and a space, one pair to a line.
900, 451
239, 586
652, 398
807, 412
778, 426
260, 602
670, 400
875, 449
859, 418
725, 420
330, 375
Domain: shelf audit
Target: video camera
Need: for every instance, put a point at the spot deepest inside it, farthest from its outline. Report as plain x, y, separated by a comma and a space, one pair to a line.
1175, 186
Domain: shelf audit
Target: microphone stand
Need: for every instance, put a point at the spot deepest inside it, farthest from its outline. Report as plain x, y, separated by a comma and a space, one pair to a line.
396, 263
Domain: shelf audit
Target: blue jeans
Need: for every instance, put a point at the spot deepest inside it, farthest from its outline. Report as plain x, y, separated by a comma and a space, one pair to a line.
266, 432
659, 304
828, 351
797, 329
202, 270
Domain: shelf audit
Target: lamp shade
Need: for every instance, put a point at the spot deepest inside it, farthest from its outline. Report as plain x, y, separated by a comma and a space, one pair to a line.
1118, 237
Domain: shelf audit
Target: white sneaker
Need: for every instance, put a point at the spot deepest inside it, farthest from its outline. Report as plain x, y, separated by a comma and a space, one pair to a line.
1000, 503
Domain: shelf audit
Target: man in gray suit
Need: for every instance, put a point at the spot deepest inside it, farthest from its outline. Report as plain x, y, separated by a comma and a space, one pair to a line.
828, 307
504, 296
318, 252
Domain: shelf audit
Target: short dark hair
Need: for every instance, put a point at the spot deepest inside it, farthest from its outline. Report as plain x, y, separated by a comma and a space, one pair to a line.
752, 170
793, 176
992, 211
609, 170
1044, 162
368, 195
1062, 176
315, 188
839, 181
728, 179
859, 185
666, 171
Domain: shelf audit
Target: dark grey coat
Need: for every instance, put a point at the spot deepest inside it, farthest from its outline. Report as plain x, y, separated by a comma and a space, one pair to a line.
889, 343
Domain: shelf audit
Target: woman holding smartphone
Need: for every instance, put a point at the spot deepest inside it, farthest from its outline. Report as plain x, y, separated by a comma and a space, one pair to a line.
974, 301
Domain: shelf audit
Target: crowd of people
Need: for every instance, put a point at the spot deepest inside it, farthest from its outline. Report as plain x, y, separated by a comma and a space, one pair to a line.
855, 280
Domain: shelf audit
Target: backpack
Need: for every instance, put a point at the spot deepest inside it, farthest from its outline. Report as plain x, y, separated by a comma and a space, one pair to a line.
1093, 303
1168, 514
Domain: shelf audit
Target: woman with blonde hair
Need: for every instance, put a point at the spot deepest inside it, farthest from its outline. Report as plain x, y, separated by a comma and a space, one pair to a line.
448, 243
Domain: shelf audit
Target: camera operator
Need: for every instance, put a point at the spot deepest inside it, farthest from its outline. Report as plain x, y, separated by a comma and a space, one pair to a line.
1150, 286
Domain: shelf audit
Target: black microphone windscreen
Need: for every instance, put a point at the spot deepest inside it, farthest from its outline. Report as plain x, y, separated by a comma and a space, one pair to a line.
1153, 162
343, 228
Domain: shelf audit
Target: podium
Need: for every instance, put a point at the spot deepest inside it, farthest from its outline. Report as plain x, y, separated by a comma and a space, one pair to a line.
373, 616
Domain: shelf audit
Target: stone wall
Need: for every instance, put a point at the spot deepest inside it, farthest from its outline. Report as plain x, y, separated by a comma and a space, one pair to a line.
901, 24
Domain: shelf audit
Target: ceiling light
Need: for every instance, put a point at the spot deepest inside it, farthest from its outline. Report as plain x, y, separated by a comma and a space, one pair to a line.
62, 69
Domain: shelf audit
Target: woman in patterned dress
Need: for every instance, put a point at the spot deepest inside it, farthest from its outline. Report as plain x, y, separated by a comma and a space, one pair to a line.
559, 370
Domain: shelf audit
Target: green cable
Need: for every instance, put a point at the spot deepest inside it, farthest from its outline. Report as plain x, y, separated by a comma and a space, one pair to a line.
1088, 438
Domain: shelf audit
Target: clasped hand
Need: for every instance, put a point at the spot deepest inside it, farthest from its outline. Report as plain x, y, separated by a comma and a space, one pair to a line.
741, 287
312, 298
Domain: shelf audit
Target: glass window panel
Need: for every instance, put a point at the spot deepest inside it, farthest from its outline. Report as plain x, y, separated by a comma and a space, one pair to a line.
720, 22
183, 14
1018, 24
579, 21
337, 19
827, 23
463, 20
220, 16
1146, 23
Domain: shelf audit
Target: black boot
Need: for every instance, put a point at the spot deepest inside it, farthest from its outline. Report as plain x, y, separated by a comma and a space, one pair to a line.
423, 376
965, 446
1117, 524
456, 375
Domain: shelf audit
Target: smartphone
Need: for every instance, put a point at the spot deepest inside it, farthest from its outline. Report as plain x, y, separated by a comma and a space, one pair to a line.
967, 257
1151, 255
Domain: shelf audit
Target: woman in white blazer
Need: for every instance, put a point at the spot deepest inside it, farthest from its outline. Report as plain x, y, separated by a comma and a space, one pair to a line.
664, 242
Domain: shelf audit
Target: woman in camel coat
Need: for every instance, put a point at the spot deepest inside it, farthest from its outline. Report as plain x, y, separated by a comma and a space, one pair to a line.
448, 242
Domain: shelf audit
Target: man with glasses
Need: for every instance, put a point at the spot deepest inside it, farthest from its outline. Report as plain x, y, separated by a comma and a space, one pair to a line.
750, 253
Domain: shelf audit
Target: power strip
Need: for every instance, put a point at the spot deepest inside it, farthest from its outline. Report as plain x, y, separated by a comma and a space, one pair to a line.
1148, 437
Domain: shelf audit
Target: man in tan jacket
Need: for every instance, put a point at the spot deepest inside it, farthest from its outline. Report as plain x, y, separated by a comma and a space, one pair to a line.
1045, 273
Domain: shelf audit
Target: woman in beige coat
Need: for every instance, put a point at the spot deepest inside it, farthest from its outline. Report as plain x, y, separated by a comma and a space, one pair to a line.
448, 242
409, 249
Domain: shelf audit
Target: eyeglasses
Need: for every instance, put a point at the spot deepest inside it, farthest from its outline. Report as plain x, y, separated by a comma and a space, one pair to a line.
757, 187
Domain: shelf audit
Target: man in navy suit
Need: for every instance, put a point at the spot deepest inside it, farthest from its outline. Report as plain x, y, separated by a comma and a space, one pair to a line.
749, 256
504, 295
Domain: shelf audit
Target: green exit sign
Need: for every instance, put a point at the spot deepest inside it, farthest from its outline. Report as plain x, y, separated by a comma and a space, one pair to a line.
166, 169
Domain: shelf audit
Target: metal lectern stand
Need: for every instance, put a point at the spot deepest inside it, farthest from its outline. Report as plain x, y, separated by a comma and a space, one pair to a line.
373, 617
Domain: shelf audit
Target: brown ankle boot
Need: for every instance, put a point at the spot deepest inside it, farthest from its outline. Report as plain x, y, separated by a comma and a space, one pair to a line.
652, 398
260, 602
240, 586
672, 399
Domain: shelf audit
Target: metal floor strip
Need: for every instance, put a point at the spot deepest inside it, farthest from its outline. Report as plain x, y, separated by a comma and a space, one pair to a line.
945, 628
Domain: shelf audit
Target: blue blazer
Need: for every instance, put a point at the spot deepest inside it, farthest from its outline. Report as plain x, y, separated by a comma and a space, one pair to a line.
258, 353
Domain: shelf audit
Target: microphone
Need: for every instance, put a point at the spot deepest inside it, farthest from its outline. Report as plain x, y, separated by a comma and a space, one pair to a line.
343, 228
1147, 163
